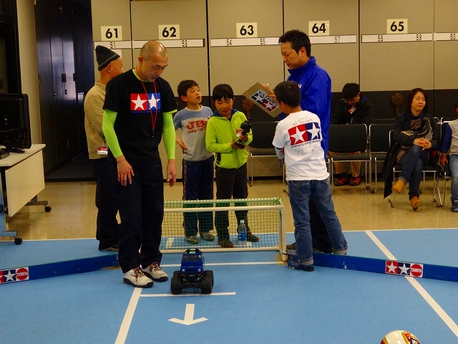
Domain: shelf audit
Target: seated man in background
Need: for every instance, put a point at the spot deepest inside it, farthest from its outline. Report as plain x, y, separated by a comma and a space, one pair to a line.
351, 109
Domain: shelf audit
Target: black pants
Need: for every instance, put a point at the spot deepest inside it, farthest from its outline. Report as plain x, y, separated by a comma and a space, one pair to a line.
107, 224
230, 183
141, 207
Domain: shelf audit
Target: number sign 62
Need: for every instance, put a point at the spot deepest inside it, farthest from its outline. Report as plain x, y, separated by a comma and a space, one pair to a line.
171, 31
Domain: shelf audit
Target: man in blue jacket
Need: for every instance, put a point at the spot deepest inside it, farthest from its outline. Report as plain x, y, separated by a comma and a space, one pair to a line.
315, 86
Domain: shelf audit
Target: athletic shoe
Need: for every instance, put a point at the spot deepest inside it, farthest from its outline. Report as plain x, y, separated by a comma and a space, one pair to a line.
113, 248
415, 202
137, 278
155, 272
207, 236
340, 252
294, 265
343, 180
225, 243
399, 186
455, 206
355, 181
251, 237
291, 246
192, 239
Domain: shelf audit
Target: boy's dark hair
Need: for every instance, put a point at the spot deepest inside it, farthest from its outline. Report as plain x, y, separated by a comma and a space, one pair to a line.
184, 86
288, 92
298, 39
456, 103
222, 91
410, 99
350, 91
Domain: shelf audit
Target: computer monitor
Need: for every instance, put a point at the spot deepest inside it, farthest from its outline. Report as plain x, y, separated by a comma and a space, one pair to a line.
14, 121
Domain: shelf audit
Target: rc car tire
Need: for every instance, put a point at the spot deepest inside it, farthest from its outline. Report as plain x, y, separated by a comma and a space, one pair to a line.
176, 287
206, 282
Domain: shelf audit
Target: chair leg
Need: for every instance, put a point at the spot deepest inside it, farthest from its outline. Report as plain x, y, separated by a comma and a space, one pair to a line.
331, 172
375, 176
445, 186
284, 185
368, 166
437, 190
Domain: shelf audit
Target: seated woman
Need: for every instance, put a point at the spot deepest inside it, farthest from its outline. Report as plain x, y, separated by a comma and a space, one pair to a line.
415, 144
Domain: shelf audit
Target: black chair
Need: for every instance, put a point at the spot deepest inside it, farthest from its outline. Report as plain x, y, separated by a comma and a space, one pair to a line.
261, 146
428, 168
347, 139
447, 173
379, 144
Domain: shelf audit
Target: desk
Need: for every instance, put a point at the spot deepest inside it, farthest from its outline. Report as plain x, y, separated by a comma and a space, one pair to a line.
22, 178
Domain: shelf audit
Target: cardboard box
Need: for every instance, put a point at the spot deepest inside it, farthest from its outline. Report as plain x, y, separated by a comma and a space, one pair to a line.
258, 95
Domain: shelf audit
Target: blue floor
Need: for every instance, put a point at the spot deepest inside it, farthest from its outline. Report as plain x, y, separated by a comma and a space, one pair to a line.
255, 298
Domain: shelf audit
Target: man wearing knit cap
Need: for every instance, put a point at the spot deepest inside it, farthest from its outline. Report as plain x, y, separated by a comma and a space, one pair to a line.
109, 65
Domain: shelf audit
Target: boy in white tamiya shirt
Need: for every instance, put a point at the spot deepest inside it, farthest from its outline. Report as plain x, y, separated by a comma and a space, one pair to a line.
298, 140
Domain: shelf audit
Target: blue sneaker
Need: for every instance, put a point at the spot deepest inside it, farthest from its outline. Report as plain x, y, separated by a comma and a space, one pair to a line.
294, 265
455, 206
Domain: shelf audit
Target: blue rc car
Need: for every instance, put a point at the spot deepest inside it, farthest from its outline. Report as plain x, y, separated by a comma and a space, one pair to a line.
192, 274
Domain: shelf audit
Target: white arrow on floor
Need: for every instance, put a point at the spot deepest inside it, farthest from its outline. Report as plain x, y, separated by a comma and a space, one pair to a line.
188, 316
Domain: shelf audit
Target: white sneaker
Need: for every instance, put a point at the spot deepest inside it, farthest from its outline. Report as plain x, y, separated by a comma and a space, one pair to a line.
137, 278
155, 272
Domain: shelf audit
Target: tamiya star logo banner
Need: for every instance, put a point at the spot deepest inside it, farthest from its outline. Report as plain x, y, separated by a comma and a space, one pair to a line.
14, 275
304, 132
401, 268
265, 102
259, 96
144, 103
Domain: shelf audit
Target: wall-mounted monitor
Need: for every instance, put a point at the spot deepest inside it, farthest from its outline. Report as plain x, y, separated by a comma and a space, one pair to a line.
14, 121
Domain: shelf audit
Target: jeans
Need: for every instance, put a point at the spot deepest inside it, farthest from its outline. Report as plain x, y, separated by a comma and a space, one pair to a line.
299, 195
412, 166
453, 163
198, 185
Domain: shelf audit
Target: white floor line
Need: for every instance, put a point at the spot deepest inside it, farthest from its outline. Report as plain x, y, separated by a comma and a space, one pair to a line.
125, 325
229, 293
417, 286
169, 243
227, 264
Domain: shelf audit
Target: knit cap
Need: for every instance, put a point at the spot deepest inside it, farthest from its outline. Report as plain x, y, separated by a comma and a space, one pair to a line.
104, 56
